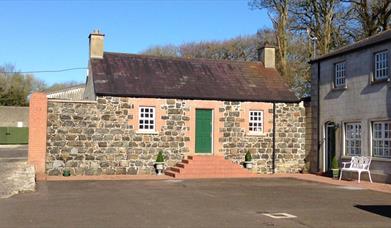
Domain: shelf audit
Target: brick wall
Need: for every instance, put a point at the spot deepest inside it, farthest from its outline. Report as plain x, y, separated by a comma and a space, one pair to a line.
37, 133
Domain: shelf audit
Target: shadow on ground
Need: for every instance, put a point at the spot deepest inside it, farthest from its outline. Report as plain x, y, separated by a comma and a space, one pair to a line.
383, 210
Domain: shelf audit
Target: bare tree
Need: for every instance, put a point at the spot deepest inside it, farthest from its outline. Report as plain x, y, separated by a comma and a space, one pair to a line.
238, 48
371, 16
167, 50
324, 19
278, 11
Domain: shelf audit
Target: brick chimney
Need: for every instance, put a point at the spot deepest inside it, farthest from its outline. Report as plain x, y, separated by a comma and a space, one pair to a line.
96, 44
267, 55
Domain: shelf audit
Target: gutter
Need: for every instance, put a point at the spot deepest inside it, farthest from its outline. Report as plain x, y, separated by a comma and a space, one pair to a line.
274, 139
318, 118
293, 101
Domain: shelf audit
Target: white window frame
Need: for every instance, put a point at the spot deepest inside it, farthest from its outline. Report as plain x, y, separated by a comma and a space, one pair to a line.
381, 139
381, 65
353, 141
340, 74
147, 119
255, 121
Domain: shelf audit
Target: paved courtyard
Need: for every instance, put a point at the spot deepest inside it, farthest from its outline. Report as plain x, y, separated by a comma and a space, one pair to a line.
195, 203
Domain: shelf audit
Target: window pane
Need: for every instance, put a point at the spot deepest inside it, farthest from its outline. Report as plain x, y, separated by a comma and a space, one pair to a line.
381, 65
255, 121
353, 139
381, 140
147, 118
339, 71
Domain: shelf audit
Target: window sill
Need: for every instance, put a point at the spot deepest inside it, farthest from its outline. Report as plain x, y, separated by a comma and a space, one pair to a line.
346, 157
381, 159
339, 88
373, 158
147, 132
379, 81
255, 134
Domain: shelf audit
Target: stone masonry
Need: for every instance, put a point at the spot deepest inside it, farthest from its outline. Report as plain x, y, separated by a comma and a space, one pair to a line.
290, 139
95, 138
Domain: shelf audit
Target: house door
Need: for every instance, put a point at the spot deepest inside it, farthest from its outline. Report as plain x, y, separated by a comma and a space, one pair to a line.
203, 140
330, 145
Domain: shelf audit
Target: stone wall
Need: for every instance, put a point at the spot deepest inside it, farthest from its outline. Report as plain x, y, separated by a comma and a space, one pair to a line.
94, 138
290, 139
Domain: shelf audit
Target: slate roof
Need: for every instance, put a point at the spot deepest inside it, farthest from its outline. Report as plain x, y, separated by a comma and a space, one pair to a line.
130, 75
376, 39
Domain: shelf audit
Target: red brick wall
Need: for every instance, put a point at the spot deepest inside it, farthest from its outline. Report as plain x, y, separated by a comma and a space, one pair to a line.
38, 133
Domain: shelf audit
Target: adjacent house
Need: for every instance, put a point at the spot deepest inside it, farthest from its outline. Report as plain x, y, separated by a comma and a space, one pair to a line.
351, 105
138, 105
74, 93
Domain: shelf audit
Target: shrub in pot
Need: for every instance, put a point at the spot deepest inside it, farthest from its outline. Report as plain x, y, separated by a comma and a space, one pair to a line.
248, 160
335, 167
66, 173
159, 164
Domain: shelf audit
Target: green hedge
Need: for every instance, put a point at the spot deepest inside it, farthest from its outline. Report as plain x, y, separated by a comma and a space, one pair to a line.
14, 135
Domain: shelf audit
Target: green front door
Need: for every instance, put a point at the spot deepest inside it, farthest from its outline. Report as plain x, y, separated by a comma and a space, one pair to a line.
203, 141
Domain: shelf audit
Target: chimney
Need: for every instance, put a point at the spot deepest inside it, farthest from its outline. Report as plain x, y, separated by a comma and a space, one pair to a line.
267, 55
96, 44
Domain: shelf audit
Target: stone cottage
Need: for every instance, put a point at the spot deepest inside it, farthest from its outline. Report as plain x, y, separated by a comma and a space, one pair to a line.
210, 111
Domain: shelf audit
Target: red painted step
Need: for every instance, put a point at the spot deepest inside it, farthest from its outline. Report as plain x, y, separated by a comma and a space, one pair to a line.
207, 167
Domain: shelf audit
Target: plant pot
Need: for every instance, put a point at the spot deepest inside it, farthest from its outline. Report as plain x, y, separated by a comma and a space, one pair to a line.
248, 164
335, 173
66, 173
159, 166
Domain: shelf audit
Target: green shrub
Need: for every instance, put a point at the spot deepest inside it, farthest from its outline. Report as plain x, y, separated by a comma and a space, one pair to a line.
248, 157
334, 163
160, 157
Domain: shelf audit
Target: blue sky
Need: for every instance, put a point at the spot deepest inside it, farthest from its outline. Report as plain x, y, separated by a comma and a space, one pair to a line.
51, 35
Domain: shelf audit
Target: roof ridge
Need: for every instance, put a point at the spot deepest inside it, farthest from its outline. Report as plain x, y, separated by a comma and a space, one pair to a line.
185, 59
64, 89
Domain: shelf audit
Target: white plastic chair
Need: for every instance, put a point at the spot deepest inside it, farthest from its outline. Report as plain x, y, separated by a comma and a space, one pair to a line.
358, 164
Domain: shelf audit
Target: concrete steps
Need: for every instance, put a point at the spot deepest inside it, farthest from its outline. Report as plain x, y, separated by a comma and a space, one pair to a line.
207, 167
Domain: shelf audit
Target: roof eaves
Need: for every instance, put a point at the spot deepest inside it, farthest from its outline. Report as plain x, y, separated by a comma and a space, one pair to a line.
293, 100
368, 42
